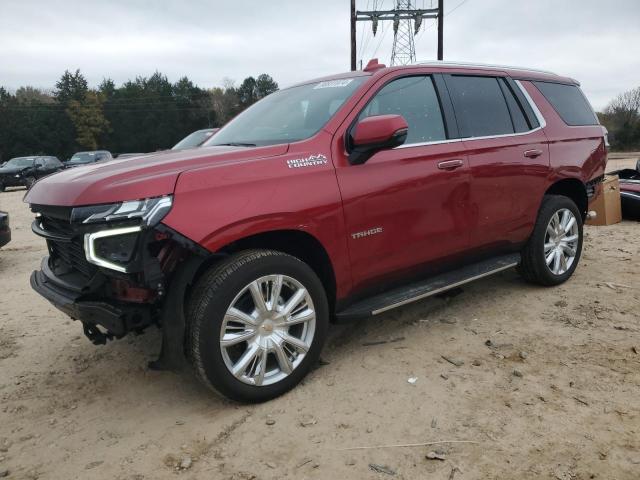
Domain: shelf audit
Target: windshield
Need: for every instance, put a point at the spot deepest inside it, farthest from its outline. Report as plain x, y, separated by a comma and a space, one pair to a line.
85, 157
288, 115
20, 162
194, 139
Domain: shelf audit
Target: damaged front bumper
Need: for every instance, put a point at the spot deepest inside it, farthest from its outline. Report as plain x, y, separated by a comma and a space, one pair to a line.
116, 319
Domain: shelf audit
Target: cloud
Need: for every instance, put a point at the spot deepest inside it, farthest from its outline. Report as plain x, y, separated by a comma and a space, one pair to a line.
209, 40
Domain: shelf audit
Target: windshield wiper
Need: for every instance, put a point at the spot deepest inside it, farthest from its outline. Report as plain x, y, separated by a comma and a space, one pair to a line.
234, 144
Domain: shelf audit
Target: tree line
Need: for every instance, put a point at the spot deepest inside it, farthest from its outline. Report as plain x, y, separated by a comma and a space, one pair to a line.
141, 115
622, 119
151, 113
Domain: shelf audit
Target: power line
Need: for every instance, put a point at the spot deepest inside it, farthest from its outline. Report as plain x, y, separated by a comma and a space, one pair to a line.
407, 21
456, 7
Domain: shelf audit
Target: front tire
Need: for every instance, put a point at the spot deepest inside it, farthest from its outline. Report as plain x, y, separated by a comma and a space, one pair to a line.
257, 322
554, 248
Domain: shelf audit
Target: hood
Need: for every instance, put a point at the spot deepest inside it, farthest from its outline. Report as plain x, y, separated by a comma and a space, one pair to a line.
136, 177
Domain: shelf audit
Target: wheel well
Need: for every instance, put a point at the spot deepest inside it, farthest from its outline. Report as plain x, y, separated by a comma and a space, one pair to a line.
574, 189
298, 244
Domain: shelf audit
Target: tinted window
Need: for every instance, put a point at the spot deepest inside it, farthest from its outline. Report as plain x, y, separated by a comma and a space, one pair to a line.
569, 102
480, 106
53, 162
520, 123
416, 100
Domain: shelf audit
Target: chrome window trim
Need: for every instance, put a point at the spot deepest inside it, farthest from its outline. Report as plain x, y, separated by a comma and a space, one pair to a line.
541, 121
532, 104
422, 144
90, 251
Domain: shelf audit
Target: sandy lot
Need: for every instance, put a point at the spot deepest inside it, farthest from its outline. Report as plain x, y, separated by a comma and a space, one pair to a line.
549, 387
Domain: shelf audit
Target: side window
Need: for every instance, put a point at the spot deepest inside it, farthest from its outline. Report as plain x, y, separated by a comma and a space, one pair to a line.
569, 102
520, 123
480, 106
39, 163
414, 98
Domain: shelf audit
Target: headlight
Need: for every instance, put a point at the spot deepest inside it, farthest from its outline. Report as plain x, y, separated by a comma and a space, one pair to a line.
112, 248
150, 211
115, 247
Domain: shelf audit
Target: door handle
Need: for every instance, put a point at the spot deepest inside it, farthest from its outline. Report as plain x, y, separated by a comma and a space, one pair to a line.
533, 153
450, 164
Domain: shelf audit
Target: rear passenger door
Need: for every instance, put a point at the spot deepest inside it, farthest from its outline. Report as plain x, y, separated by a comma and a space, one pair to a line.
508, 157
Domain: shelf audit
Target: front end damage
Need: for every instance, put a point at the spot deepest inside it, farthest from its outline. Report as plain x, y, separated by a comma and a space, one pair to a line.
118, 270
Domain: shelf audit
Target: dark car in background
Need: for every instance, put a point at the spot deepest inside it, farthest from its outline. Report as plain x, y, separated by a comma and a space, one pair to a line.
5, 230
195, 139
24, 171
630, 191
85, 158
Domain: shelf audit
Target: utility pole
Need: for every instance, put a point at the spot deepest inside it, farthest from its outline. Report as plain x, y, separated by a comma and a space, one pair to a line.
440, 28
402, 17
353, 35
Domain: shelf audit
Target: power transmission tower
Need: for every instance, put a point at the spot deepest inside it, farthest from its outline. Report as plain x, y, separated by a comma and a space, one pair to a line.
402, 16
404, 49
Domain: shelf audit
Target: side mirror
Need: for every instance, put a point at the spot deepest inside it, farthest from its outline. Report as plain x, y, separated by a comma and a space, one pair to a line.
373, 134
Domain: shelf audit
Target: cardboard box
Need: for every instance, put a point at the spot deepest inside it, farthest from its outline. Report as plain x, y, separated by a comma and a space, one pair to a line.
606, 203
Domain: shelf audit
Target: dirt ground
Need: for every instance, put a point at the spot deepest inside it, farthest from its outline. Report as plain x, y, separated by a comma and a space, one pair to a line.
549, 387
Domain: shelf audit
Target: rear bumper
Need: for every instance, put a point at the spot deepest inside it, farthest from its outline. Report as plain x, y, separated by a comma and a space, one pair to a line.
115, 318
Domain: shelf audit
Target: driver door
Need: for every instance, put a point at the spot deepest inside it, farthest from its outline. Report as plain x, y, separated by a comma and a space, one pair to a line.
406, 207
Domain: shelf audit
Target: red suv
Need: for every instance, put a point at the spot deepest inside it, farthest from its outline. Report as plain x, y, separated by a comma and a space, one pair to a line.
336, 199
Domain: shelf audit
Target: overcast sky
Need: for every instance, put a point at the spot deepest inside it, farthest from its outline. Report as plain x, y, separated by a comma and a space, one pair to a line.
593, 41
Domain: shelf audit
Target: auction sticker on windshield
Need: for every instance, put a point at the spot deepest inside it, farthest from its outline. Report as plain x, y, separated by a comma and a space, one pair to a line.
334, 83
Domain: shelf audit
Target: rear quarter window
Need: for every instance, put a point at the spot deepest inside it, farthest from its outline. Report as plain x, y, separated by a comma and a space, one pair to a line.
569, 102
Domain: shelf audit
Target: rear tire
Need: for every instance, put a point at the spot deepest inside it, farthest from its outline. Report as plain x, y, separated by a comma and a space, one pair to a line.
256, 322
552, 253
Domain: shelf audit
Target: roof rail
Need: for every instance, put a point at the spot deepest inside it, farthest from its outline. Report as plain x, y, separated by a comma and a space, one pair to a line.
483, 65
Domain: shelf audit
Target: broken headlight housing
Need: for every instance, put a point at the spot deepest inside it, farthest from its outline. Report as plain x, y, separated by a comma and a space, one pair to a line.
150, 211
114, 248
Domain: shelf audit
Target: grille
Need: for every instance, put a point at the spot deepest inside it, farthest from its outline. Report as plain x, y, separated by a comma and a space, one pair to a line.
70, 253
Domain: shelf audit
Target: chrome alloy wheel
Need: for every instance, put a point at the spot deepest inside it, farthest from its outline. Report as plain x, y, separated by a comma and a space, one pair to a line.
267, 330
561, 241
